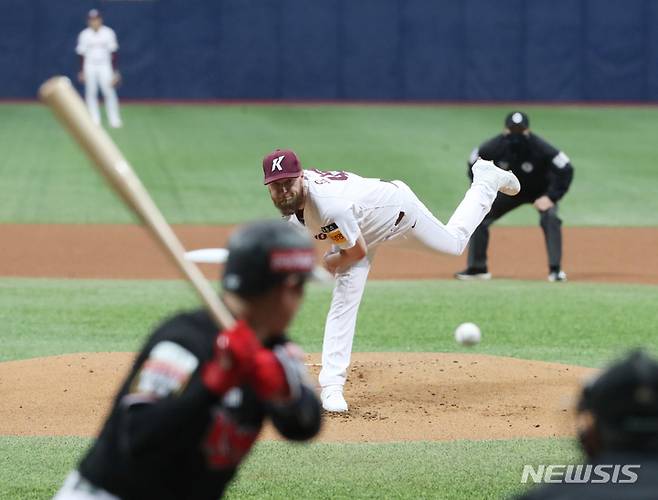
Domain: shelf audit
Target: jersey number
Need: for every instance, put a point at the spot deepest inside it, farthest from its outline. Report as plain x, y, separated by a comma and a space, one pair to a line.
330, 176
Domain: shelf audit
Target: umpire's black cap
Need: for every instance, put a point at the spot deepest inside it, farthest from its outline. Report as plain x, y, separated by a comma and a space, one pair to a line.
263, 254
624, 398
517, 121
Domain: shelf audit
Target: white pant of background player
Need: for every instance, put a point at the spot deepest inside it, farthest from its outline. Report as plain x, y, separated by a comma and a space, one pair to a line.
78, 488
418, 229
100, 76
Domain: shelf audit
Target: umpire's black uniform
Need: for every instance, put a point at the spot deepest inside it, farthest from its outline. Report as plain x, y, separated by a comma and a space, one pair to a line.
541, 169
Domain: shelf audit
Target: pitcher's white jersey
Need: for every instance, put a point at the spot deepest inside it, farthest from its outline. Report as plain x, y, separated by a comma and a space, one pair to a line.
340, 206
97, 46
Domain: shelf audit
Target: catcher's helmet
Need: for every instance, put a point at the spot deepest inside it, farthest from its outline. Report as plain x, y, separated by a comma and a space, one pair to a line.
624, 400
263, 254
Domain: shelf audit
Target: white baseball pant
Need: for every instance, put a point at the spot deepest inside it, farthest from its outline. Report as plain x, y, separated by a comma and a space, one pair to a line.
78, 488
100, 75
341, 322
423, 231
420, 230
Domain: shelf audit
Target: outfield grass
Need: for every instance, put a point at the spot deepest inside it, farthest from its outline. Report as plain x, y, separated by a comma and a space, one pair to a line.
202, 163
34, 467
579, 323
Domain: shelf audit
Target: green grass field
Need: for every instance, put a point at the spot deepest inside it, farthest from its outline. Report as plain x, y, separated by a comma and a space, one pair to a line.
202, 165
579, 323
451, 470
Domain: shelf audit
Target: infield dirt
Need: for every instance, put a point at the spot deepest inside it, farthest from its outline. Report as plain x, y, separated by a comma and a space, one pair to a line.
125, 251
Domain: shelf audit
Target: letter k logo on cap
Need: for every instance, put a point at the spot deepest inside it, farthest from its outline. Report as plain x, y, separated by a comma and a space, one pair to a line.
280, 164
276, 163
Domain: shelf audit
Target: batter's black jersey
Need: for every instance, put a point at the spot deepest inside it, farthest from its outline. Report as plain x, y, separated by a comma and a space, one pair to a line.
620, 476
168, 436
540, 168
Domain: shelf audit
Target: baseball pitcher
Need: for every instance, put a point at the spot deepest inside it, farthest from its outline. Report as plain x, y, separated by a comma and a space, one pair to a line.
355, 215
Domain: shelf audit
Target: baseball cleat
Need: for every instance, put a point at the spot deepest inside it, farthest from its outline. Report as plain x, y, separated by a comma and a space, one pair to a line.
333, 400
557, 276
471, 274
485, 172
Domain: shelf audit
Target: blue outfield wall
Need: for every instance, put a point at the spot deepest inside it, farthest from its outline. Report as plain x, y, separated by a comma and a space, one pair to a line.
348, 49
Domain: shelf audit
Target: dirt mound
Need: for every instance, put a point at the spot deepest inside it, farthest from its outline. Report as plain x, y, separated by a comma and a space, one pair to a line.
392, 396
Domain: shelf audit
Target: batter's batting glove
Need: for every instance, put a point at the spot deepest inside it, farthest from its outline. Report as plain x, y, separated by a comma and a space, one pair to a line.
279, 374
268, 378
234, 359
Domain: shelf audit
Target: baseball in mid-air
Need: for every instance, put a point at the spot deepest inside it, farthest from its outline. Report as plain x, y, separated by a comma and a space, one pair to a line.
468, 334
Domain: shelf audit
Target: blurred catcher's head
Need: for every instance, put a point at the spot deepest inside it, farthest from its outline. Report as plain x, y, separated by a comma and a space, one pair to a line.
621, 405
517, 122
263, 255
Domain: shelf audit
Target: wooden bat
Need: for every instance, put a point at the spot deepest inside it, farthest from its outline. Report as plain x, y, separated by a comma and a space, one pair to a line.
62, 98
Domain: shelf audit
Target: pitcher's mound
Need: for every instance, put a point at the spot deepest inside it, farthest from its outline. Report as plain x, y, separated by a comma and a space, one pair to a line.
392, 396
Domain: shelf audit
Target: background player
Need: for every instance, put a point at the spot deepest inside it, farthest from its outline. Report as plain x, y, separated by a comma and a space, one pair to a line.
355, 215
195, 399
545, 175
98, 51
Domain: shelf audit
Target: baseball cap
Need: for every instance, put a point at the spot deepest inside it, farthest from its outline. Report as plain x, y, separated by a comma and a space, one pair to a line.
517, 121
263, 254
281, 164
93, 13
624, 398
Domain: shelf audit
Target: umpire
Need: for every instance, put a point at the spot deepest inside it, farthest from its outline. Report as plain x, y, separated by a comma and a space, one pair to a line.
196, 399
618, 431
545, 175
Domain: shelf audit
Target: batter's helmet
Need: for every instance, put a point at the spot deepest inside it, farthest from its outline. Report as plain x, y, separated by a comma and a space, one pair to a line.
263, 254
